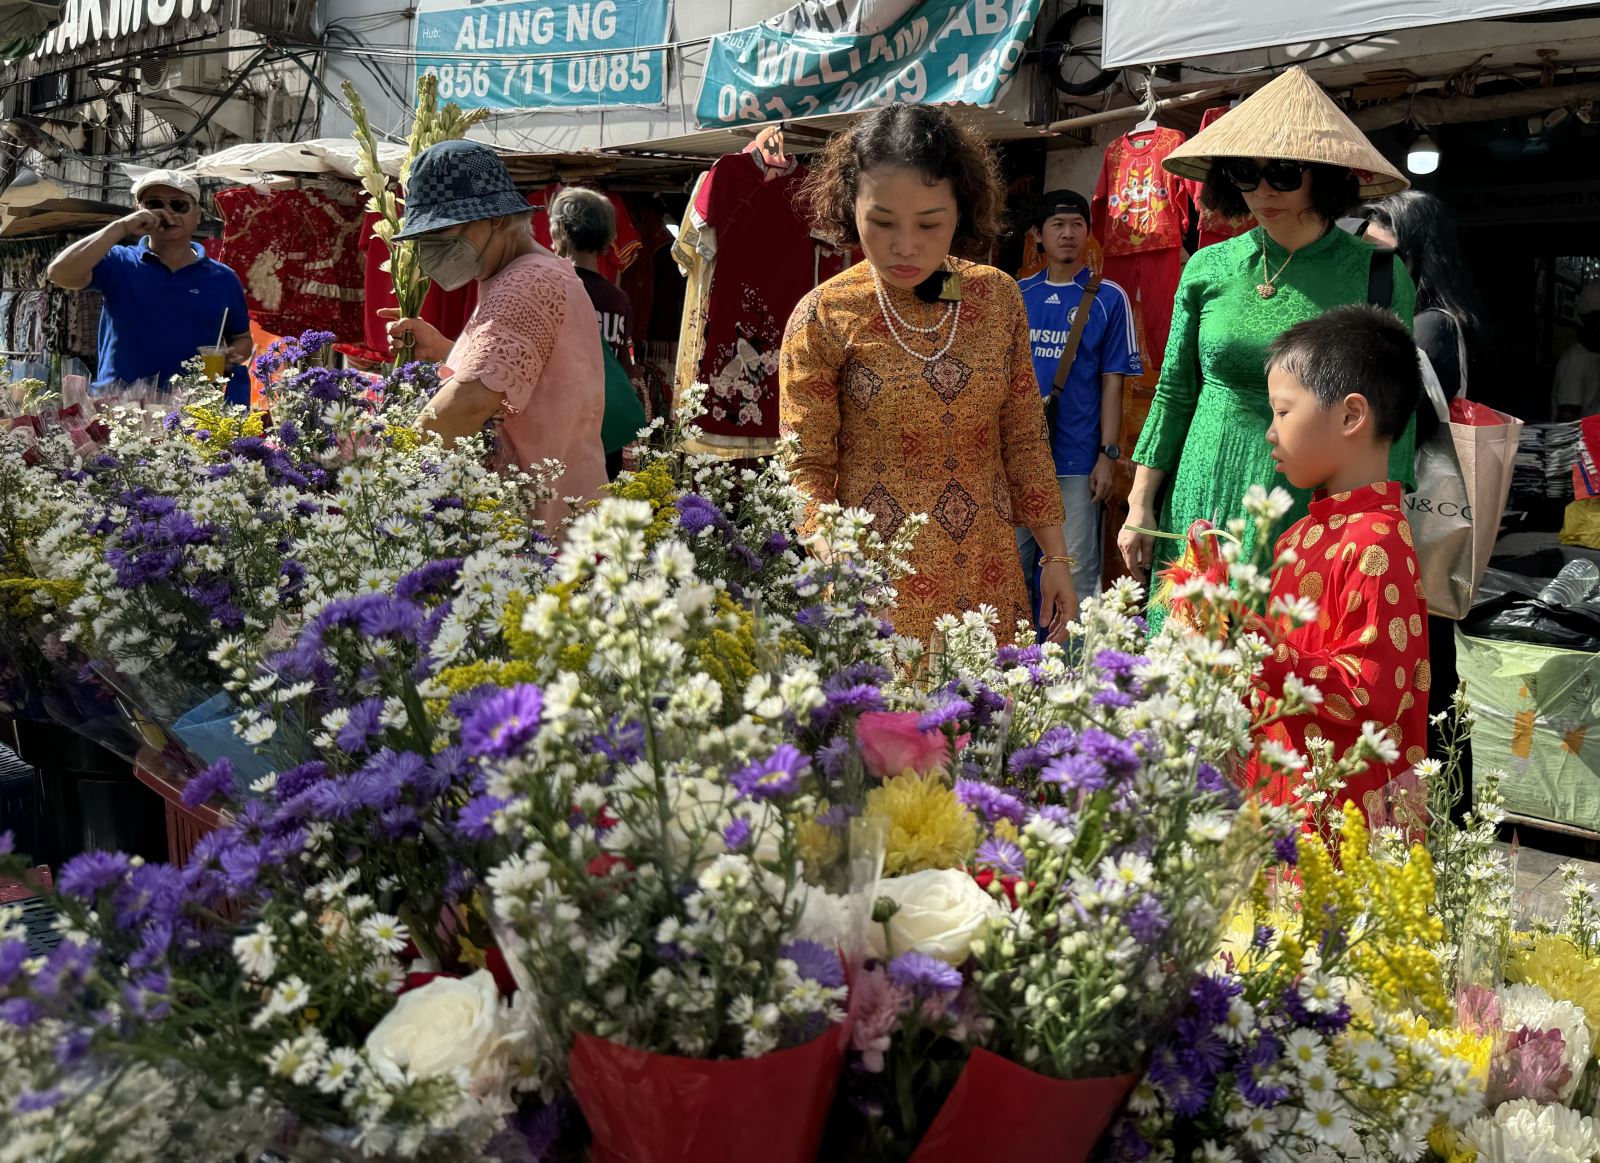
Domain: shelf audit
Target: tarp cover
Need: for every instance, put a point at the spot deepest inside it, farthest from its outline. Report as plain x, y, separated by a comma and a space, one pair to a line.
335, 156
1142, 32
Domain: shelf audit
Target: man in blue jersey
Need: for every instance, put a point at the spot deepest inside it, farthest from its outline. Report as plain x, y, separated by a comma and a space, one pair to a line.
1088, 411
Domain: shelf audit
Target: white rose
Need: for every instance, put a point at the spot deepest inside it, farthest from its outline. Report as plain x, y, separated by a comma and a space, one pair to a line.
941, 911
447, 1026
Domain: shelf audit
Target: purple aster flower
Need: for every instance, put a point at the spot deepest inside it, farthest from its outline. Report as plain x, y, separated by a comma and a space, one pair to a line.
399, 821
1147, 920
1287, 848
1053, 743
855, 699
1056, 814
362, 725
623, 743
837, 815
435, 578
213, 782
476, 821
923, 975
1202, 1044
1079, 773
696, 514
337, 799
1328, 1024
88, 874
948, 713
1262, 938
20, 1013
816, 963
1211, 995
12, 954
1003, 856
297, 779
1209, 779
504, 722
1190, 1091
777, 775
1117, 755
990, 802
1115, 664
30, 1101
831, 758
1112, 697
736, 835
72, 1047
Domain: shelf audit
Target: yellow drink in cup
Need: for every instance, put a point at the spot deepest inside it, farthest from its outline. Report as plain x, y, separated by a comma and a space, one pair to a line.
215, 361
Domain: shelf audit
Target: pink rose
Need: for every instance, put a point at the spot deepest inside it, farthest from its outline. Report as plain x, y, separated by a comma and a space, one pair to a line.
892, 744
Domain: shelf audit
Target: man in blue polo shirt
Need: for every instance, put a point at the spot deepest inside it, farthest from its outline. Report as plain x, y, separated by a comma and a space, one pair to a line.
163, 298
1088, 418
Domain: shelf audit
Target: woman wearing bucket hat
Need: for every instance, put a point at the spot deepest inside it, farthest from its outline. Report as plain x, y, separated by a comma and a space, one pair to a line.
530, 352
1291, 157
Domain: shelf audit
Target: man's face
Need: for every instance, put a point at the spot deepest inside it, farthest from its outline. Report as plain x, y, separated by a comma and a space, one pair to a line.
179, 212
1063, 237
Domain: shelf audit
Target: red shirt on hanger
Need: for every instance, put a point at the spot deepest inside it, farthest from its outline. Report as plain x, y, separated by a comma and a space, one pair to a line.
1138, 206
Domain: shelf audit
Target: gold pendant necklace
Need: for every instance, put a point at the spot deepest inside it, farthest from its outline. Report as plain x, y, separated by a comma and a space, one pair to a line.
1269, 287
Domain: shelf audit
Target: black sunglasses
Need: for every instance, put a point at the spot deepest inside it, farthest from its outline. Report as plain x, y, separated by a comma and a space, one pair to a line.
1280, 173
176, 205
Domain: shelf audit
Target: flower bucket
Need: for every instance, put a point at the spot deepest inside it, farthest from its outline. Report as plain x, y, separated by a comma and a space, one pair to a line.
999, 1110
659, 1108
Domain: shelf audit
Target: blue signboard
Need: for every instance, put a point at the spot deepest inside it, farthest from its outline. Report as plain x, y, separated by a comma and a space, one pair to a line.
508, 55
941, 51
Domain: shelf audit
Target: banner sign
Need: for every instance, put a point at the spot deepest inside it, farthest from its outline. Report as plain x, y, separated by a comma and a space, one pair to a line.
506, 55
941, 51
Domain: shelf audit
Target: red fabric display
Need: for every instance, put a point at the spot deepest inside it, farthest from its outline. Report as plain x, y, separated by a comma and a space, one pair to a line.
298, 253
1213, 226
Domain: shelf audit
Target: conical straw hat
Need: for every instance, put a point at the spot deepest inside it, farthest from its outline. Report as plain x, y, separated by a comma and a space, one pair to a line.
1289, 118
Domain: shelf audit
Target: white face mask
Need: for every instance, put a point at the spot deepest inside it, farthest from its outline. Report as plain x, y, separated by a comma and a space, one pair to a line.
451, 262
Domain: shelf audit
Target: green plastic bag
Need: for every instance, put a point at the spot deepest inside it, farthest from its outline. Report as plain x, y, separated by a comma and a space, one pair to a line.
624, 413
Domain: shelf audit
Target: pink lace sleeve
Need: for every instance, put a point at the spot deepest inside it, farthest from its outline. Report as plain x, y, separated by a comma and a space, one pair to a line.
513, 332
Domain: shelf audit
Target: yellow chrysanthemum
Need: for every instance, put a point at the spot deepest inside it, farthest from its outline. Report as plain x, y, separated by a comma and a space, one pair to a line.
928, 827
1473, 1049
1554, 963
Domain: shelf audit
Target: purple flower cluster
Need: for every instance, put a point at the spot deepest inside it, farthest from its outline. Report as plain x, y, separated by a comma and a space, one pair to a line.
504, 723
923, 976
991, 803
770, 778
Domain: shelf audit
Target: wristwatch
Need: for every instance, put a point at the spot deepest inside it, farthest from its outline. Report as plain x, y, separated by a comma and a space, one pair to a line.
1111, 452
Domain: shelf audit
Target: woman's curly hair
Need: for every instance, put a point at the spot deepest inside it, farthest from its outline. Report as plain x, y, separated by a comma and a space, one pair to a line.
920, 137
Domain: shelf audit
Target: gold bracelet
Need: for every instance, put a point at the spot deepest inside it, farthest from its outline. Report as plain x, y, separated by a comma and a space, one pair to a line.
1053, 558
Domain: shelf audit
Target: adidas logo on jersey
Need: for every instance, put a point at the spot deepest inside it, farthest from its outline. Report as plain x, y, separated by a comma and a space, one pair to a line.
1053, 299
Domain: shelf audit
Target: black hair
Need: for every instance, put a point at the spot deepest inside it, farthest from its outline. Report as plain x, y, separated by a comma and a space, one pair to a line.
926, 138
1425, 239
1359, 350
1334, 189
585, 218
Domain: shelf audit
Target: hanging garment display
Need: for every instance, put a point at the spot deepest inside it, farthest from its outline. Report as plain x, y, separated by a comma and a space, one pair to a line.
1139, 214
617, 257
750, 257
1214, 227
298, 253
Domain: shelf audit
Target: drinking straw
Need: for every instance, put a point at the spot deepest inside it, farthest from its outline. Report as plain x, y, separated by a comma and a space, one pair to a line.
222, 329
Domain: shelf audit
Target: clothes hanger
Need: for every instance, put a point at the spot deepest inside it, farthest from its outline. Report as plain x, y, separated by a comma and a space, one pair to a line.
1149, 120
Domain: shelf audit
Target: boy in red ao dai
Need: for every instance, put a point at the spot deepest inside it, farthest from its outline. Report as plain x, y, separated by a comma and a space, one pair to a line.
1341, 388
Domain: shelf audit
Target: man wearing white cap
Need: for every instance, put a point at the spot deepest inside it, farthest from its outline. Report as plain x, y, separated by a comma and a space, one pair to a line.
1578, 370
164, 299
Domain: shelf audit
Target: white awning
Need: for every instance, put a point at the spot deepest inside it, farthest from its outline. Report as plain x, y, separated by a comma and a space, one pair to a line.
331, 156
1145, 32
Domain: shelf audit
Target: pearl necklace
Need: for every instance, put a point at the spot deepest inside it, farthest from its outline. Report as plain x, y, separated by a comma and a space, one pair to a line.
952, 315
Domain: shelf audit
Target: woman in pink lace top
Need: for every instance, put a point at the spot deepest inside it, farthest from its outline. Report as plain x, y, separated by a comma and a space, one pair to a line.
530, 352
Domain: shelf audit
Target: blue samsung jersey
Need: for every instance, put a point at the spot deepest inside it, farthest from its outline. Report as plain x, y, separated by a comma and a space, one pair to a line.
1108, 345
153, 319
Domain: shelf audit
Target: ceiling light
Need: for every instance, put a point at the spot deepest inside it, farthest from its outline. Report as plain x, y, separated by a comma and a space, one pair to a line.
1423, 157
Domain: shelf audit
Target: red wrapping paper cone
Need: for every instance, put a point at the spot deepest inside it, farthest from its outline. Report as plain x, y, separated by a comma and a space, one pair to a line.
658, 1108
999, 1110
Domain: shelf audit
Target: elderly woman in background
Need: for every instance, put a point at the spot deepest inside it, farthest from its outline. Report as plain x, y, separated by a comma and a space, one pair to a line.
529, 355
583, 223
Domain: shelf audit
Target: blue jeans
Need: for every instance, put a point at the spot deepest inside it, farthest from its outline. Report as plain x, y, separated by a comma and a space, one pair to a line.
1085, 536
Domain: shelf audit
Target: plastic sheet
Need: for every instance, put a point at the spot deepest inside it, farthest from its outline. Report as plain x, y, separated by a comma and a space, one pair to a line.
657, 1108
206, 731
1000, 1110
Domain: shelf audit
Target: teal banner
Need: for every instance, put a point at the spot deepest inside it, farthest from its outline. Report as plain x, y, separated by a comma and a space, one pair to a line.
941, 52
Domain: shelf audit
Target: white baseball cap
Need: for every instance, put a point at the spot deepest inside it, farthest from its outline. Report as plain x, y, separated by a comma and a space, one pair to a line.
1589, 299
176, 179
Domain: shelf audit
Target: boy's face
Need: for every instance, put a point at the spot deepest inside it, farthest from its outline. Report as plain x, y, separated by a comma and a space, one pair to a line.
1306, 438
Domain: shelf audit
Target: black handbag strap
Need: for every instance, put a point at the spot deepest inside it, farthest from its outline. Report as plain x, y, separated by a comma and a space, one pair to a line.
1081, 320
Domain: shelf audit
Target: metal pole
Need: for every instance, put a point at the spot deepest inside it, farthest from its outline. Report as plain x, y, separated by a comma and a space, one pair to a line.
1134, 112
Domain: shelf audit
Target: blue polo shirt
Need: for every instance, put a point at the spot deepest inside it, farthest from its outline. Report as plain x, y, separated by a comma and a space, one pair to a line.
1108, 345
154, 319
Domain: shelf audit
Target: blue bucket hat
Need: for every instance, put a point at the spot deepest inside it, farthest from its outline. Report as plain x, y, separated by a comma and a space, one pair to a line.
455, 182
